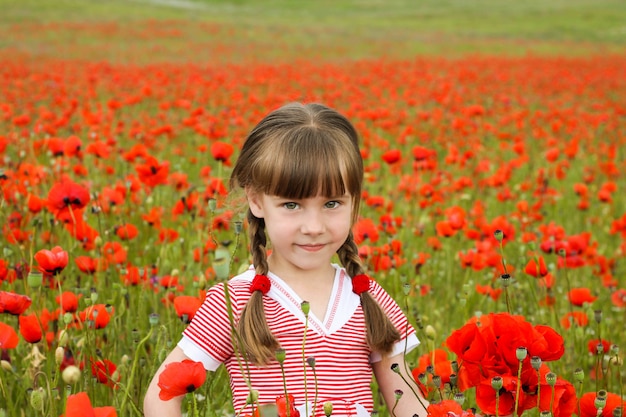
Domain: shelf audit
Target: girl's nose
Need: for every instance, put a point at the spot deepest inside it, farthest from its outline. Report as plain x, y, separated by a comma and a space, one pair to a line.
313, 224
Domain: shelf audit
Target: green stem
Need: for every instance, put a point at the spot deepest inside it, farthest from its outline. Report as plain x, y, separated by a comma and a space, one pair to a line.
134, 368
519, 387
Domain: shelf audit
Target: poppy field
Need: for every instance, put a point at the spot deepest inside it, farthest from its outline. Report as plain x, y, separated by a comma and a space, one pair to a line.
494, 212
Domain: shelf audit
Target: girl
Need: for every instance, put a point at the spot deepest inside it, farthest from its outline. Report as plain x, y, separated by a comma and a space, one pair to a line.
302, 172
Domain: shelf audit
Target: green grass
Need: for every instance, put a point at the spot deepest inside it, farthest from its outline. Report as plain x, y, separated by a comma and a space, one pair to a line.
285, 29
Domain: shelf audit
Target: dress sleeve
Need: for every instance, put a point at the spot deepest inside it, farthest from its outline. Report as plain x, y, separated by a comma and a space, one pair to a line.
207, 339
408, 339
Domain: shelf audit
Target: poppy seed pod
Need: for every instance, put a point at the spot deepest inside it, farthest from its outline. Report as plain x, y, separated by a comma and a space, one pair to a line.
496, 383
280, 355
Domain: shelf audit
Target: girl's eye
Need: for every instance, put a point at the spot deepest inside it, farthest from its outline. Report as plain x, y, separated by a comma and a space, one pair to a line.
332, 204
290, 206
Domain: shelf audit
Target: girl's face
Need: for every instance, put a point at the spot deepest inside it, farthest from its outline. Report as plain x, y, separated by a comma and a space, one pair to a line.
304, 233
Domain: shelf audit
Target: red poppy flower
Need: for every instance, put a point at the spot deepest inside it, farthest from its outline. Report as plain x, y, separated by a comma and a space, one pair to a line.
83, 232
532, 269
153, 173
13, 303
66, 196
486, 396
127, 232
30, 328
392, 156
186, 307
448, 408
8, 337
286, 407
53, 261
97, 314
72, 146
593, 345
588, 407
365, 229
114, 253
444, 229
421, 153
79, 405
153, 218
560, 400
105, 372
68, 301
180, 378
87, 264
222, 151
35, 204
442, 368
581, 296
575, 317
618, 298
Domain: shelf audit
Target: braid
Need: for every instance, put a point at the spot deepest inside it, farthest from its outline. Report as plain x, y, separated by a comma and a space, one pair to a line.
258, 242
381, 333
258, 341
349, 256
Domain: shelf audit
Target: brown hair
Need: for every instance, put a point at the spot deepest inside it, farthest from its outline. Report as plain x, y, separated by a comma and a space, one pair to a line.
300, 151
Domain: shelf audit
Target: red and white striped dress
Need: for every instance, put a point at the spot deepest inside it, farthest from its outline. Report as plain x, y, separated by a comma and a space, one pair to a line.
338, 344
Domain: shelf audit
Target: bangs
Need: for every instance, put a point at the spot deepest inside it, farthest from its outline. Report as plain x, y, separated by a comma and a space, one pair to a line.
305, 164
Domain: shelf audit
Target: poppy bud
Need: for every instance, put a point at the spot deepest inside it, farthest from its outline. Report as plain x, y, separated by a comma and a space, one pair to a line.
59, 354
64, 338
496, 383
430, 332
71, 375
6, 365
306, 307
253, 396
37, 399
328, 408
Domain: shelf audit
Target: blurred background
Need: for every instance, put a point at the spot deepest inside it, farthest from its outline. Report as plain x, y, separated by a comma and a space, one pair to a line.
202, 31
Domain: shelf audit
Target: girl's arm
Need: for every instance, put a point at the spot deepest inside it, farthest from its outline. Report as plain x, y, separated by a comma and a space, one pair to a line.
153, 406
389, 381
